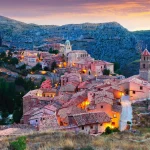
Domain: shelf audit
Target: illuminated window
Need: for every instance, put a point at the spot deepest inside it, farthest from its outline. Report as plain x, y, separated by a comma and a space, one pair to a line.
115, 116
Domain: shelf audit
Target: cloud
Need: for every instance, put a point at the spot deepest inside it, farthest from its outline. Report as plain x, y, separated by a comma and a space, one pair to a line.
77, 11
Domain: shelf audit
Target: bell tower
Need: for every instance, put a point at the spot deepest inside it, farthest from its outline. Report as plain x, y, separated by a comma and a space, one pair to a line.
145, 65
68, 47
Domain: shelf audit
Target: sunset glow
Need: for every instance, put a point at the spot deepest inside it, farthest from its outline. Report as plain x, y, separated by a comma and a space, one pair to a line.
133, 15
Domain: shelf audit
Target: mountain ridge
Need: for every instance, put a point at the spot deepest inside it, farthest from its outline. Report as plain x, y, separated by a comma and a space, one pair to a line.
107, 41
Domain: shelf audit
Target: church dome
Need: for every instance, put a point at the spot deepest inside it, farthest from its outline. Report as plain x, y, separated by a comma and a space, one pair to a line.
67, 42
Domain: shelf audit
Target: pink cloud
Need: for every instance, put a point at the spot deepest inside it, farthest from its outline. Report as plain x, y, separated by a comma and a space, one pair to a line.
128, 13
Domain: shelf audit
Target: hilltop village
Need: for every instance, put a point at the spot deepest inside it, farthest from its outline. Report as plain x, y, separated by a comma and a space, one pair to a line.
83, 94
84, 99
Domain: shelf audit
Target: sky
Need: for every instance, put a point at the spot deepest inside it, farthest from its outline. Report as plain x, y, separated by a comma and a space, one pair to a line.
132, 14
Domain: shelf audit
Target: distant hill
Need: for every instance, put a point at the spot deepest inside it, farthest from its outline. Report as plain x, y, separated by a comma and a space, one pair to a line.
107, 41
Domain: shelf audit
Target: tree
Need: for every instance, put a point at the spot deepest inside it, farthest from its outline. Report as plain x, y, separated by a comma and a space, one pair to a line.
19, 81
116, 66
14, 61
53, 66
51, 51
37, 67
3, 54
106, 72
22, 67
5, 114
42, 80
29, 85
17, 114
24, 72
46, 68
108, 130
9, 54
19, 144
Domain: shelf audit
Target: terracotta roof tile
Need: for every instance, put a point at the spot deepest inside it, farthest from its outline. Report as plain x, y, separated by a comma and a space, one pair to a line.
91, 118
145, 53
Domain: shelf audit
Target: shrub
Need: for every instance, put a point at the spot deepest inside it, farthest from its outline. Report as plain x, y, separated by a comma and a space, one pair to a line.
87, 148
108, 130
68, 148
128, 122
106, 72
116, 130
19, 144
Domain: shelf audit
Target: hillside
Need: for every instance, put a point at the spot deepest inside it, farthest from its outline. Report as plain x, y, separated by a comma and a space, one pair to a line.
51, 140
106, 41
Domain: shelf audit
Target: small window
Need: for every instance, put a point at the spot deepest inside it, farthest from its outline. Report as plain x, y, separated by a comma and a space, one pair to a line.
101, 106
101, 124
143, 65
141, 87
115, 116
36, 120
82, 127
134, 92
144, 58
91, 127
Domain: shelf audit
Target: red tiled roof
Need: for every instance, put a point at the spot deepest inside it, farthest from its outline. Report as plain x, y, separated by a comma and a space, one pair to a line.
84, 85
64, 112
50, 107
46, 85
76, 100
91, 118
145, 53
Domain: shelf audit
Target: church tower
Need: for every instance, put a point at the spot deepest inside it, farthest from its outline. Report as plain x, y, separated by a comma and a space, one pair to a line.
68, 47
145, 65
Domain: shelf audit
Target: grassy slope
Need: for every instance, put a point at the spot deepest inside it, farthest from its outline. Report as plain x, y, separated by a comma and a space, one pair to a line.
65, 140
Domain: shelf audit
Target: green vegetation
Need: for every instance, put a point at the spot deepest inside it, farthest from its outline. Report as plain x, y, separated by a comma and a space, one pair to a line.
37, 67
8, 58
11, 94
106, 72
87, 148
53, 66
19, 144
117, 69
14, 61
51, 51
109, 130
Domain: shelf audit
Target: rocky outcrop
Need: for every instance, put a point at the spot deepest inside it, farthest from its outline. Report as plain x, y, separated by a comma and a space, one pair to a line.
141, 113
